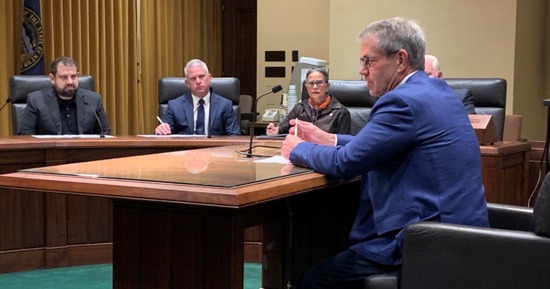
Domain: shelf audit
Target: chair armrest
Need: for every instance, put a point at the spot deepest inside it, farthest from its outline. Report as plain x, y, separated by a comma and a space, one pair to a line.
437, 255
382, 281
510, 217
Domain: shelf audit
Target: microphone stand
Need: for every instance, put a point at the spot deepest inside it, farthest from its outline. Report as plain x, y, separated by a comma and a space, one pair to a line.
101, 134
8, 100
275, 89
209, 134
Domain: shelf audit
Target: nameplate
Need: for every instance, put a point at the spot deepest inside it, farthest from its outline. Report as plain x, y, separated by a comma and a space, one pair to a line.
485, 129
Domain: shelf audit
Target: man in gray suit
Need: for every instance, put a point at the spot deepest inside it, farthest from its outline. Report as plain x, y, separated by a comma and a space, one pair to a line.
432, 69
63, 108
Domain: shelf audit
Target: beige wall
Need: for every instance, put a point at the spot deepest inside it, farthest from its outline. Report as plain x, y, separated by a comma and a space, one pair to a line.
290, 25
472, 38
529, 71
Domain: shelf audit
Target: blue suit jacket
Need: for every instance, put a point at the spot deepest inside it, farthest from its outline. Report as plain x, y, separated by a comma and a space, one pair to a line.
179, 115
42, 116
419, 160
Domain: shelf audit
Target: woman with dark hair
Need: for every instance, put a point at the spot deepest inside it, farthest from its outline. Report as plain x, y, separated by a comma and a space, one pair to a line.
321, 109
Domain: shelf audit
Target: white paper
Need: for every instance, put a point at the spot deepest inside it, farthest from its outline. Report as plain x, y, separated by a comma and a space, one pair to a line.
172, 135
274, 160
70, 136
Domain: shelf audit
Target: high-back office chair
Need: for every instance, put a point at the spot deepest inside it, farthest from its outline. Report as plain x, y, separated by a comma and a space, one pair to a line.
245, 105
513, 253
489, 97
172, 87
450, 256
21, 85
355, 96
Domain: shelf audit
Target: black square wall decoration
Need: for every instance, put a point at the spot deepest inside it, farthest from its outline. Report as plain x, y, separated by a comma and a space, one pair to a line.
294, 55
275, 71
275, 56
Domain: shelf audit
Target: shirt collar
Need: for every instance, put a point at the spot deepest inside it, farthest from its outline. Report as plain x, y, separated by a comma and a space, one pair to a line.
196, 99
407, 77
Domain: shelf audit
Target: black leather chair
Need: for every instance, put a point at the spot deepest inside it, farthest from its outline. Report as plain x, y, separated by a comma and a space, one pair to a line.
450, 256
355, 95
478, 257
489, 97
172, 87
22, 85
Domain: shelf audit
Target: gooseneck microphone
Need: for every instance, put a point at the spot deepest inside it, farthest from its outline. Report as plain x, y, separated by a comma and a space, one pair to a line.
275, 89
101, 134
209, 134
8, 100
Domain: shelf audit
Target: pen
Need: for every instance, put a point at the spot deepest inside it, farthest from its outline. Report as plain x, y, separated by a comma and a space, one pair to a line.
160, 120
296, 128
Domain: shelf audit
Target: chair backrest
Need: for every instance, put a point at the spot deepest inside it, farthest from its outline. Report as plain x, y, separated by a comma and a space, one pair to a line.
541, 211
22, 85
172, 87
355, 96
489, 97
245, 105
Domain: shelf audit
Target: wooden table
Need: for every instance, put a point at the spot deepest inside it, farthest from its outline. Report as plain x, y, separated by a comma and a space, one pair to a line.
179, 217
505, 169
46, 230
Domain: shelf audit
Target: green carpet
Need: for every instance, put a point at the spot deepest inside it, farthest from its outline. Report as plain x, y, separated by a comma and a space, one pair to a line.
92, 277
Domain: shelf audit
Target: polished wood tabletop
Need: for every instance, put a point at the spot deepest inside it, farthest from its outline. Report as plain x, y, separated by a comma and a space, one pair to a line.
214, 176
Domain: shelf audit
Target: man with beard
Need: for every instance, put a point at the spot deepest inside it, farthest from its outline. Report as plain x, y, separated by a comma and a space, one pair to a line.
63, 108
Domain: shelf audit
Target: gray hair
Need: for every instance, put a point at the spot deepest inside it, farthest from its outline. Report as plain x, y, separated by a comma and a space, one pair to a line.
322, 70
193, 63
399, 33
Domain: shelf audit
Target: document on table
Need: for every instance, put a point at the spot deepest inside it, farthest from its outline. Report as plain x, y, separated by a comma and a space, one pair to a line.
70, 136
173, 135
274, 160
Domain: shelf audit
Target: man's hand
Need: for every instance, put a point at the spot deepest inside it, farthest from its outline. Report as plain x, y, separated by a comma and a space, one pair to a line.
163, 129
306, 132
272, 129
311, 133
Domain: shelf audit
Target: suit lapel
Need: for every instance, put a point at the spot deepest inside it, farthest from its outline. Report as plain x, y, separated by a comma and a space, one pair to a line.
188, 111
53, 107
81, 109
214, 106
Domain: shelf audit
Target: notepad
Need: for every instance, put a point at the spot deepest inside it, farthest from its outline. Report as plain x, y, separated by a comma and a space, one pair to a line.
275, 136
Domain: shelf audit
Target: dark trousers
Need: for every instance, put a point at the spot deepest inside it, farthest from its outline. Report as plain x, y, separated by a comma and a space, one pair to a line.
347, 270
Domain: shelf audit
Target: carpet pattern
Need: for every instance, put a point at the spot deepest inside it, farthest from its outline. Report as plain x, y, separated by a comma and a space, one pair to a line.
92, 277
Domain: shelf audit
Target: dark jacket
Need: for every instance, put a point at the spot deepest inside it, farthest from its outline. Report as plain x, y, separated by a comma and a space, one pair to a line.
41, 115
335, 118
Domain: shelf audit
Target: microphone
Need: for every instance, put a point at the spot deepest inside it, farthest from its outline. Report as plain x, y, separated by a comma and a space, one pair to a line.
101, 134
8, 100
209, 134
275, 89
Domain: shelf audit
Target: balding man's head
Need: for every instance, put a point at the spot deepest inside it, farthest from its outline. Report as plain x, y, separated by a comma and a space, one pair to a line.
431, 66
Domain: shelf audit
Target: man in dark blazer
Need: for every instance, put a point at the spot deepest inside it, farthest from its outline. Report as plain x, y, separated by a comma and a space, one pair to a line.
418, 157
63, 108
184, 116
433, 70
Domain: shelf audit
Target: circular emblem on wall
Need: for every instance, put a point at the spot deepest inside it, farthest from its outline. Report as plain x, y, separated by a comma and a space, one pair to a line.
32, 48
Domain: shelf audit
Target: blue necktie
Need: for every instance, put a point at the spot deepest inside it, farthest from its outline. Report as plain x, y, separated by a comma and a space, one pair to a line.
199, 127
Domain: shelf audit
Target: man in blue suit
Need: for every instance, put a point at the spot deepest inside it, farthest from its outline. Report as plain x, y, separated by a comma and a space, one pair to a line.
199, 112
418, 157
